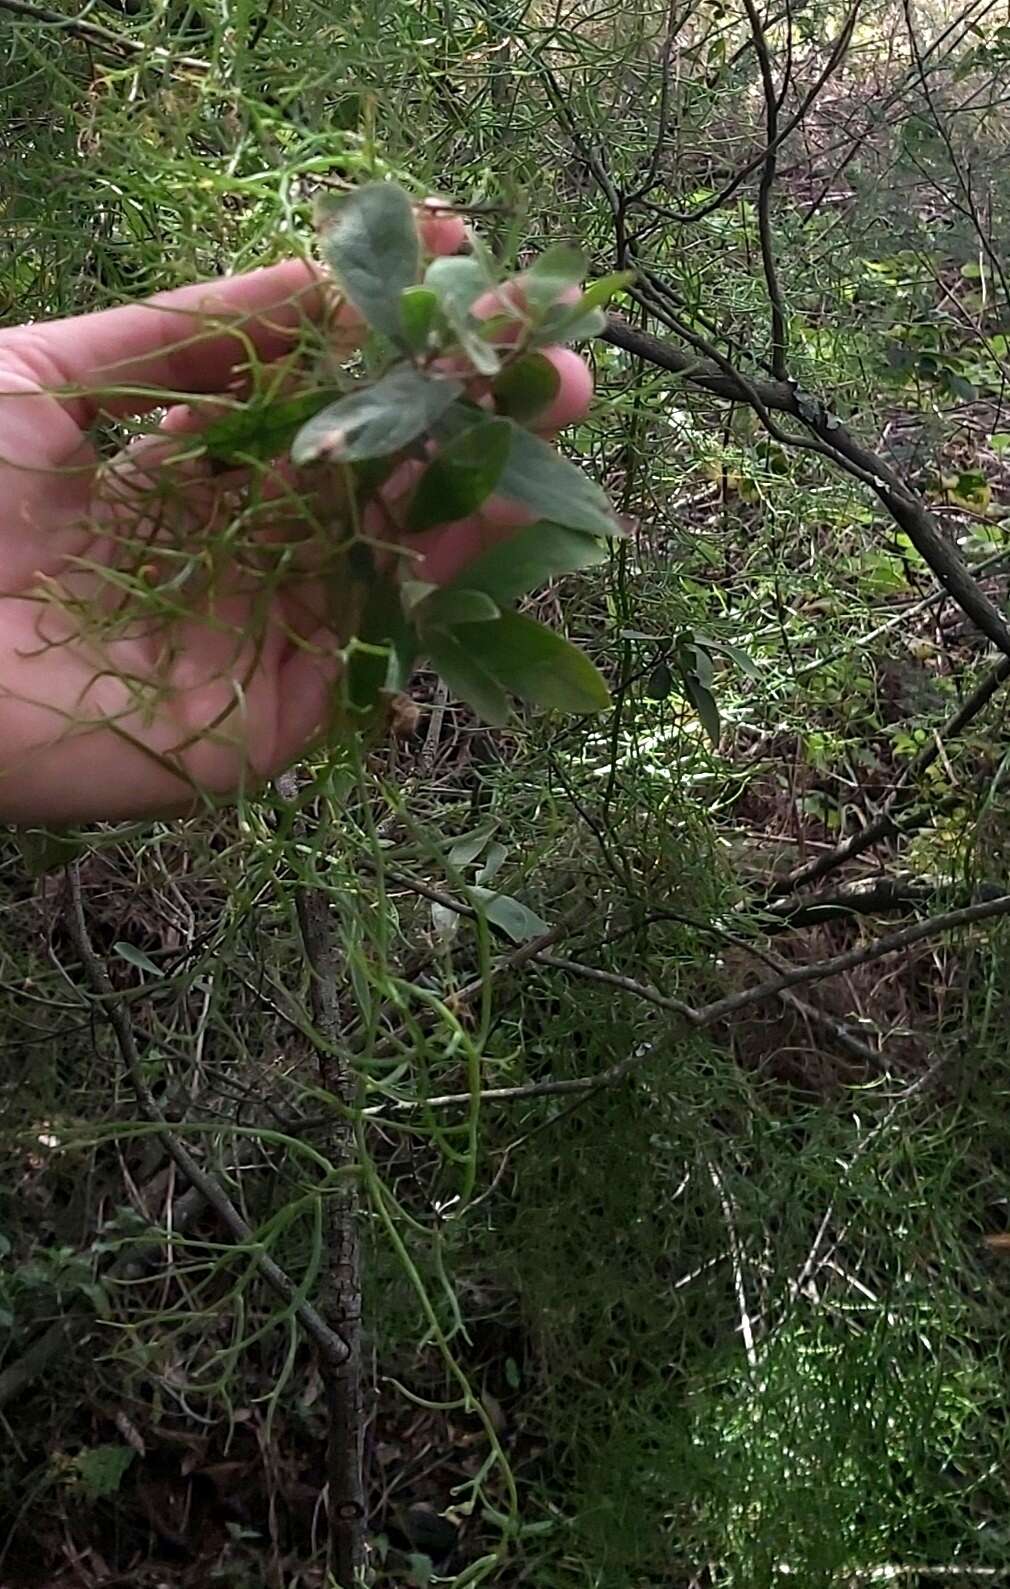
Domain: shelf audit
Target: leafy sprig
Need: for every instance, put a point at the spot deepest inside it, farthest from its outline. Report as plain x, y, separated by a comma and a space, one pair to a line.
462, 377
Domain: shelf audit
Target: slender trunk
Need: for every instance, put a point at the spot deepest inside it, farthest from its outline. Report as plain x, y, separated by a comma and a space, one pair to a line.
340, 1298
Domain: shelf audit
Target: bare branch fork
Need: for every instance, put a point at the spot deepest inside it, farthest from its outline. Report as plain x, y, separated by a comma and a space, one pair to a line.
700, 1017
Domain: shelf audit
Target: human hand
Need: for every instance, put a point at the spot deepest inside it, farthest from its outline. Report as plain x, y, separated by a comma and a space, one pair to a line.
153, 717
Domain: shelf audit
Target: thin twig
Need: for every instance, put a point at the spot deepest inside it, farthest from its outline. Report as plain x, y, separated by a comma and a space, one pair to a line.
766, 397
674, 22
710, 1014
867, 896
885, 823
718, 200
102, 38
841, 1034
611, 979
772, 100
737, 1265
851, 958
79, 1317
813, 1259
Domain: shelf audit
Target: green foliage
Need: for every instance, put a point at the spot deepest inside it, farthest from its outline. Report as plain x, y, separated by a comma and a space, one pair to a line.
370, 242
461, 476
731, 1320
375, 421
102, 1469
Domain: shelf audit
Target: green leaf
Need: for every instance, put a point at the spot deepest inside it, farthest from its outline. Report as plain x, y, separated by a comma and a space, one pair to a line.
698, 662
444, 921
458, 283
421, 1569
97, 1296
599, 292
461, 476
383, 623
743, 659
262, 428
452, 604
467, 677
530, 558
959, 386
102, 1468
536, 475
375, 420
418, 318
660, 682
414, 591
552, 273
365, 675
469, 845
571, 328
496, 857
370, 243
514, 918
43, 851
579, 322
524, 389
704, 703
535, 663
136, 957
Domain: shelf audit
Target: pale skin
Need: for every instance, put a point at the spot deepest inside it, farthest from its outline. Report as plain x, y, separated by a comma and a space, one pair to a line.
136, 727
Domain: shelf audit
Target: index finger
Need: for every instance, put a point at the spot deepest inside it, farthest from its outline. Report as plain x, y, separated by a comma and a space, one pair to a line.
192, 340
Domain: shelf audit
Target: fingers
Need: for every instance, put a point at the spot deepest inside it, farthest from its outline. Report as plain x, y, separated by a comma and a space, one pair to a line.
192, 340
575, 389
441, 231
195, 339
571, 401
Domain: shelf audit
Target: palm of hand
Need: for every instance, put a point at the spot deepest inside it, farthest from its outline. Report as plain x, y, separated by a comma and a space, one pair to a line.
146, 720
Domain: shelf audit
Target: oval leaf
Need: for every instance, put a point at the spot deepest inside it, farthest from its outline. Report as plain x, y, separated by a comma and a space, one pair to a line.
555, 271
565, 327
530, 558
458, 283
539, 477
462, 476
466, 677
418, 318
375, 420
453, 604
469, 845
535, 663
704, 703
136, 957
575, 322
369, 240
660, 682
513, 917
525, 388
45, 851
